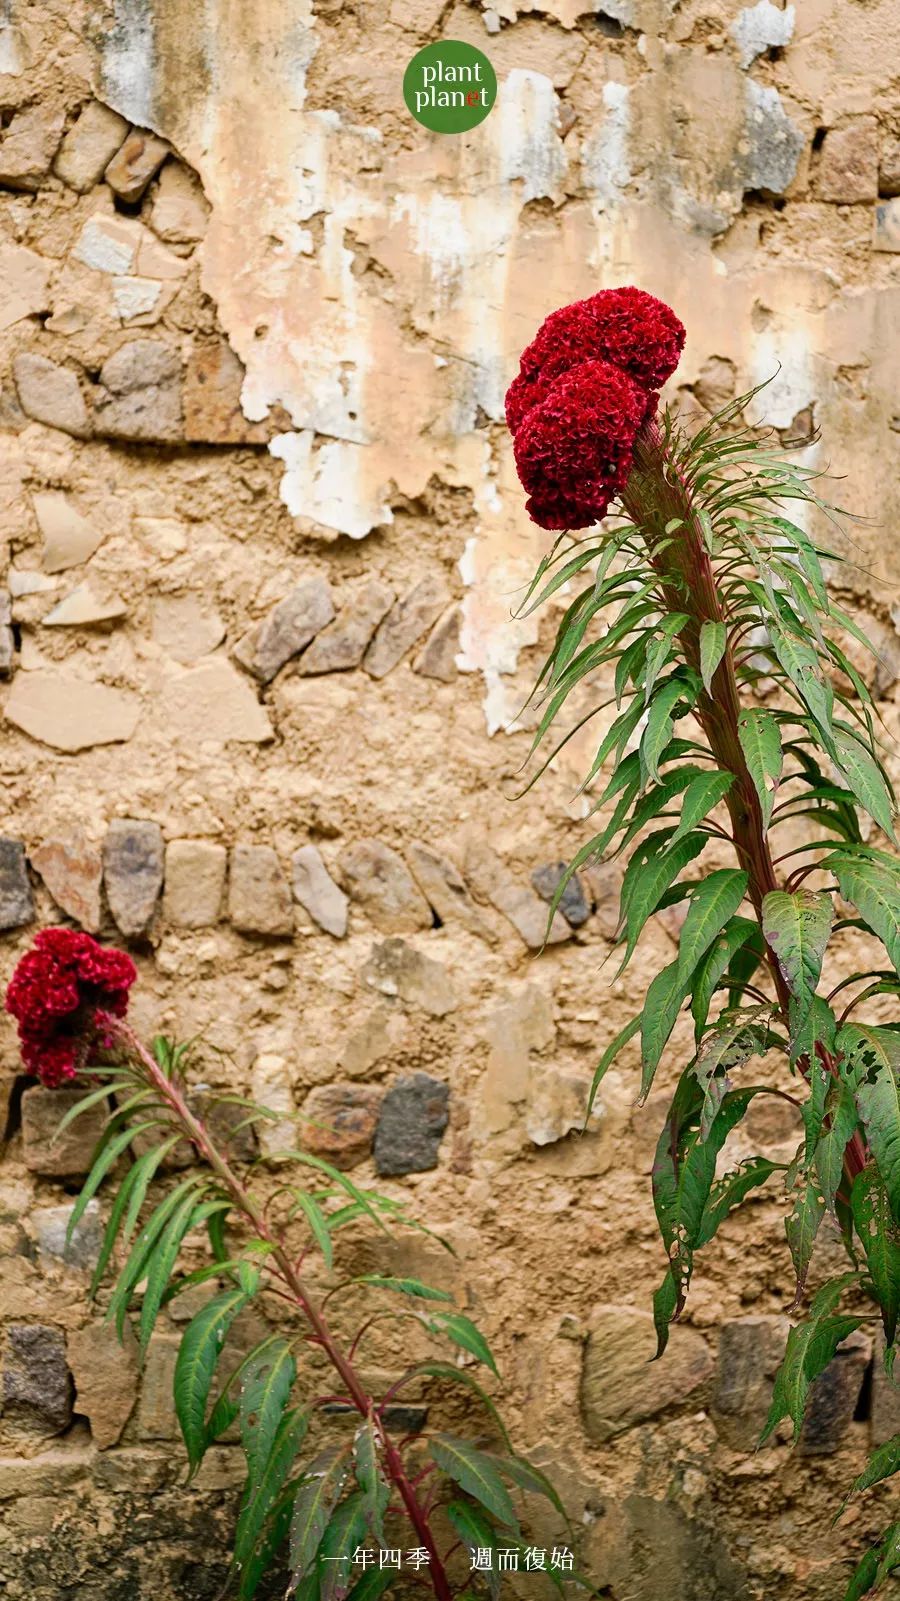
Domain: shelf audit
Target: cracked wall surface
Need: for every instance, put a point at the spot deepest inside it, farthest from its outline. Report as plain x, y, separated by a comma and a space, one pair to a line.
263, 695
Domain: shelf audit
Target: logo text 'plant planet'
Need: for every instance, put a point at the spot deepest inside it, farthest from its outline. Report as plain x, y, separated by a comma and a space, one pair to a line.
450, 86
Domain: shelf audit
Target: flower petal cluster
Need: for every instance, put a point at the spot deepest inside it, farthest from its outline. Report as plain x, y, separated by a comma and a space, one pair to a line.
59, 994
622, 342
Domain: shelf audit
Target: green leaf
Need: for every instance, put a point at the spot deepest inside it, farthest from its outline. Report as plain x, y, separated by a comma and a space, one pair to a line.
262, 1561
315, 1501
264, 1394
882, 1464
797, 928
701, 796
80, 1107
652, 869
872, 884
260, 1498
462, 1331
318, 1225
527, 1477
713, 637
475, 1472
879, 1237
607, 1059
713, 902
660, 718
372, 1585
761, 744
863, 776
137, 1264
412, 1287
661, 1008
730, 1190
198, 1353
810, 1347
477, 1534
346, 1529
801, 1228
801, 663
162, 1262
454, 1375
840, 1108
873, 1065
723, 1050
865, 1574
108, 1154
133, 1185
739, 932
369, 1477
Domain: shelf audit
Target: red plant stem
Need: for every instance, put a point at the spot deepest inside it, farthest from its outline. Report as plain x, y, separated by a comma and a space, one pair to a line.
656, 494
243, 1200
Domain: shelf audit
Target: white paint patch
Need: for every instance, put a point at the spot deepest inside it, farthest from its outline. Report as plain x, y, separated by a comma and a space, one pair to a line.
135, 297
604, 157
762, 27
527, 135
129, 60
326, 485
100, 247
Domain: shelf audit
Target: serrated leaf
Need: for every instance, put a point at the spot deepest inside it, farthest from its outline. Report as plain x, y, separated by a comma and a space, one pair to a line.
346, 1529
265, 1389
260, 1498
730, 1190
372, 1585
607, 1059
810, 1347
797, 927
879, 1237
108, 1154
262, 1561
527, 1477
199, 1351
474, 1471
713, 637
454, 1375
723, 1050
462, 1331
403, 1286
652, 869
760, 742
315, 1501
702, 795
661, 1008
658, 731
318, 1225
137, 1263
872, 884
130, 1196
801, 664
882, 1464
801, 1228
162, 1263
369, 1477
713, 902
477, 1533
840, 1108
873, 1067
863, 776
739, 932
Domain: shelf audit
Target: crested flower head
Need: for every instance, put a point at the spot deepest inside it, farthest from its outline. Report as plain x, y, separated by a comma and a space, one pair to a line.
627, 341
59, 994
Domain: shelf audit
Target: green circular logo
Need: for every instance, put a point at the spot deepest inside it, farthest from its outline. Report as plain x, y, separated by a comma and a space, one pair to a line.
450, 87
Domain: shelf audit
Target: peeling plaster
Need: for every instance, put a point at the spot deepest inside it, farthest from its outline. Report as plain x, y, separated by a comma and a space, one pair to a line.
760, 27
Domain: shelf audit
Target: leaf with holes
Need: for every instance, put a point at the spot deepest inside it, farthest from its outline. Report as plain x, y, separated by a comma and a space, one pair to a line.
376, 1493
879, 1237
797, 928
801, 1228
873, 884
863, 776
872, 1063
760, 741
810, 1347
261, 1497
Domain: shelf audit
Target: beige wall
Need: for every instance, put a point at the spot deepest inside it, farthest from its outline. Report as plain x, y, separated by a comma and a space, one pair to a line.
272, 368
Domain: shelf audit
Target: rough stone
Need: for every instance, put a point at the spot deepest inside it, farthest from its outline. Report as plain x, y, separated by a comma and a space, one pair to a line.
270, 1086
213, 380
227, 1123
288, 627
108, 244
848, 163
36, 1384
69, 538
317, 892
885, 1397
133, 1470
619, 1387
69, 1154
340, 647
70, 714
140, 394
445, 889
155, 1417
382, 1033
50, 394
520, 1023
259, 897
16, 901
51, 1224
7, 638
405, 623
437, 658
82, 608
492, 881
195, 882
557, 1103
72, 869
396, 968
105, 1371
89, 146
29, 144
185, 628
213, 702
24, 284
833, 1397
750, 1353
133, 872
380, 881
887, 226
339, 1122
135, 164
572, 903
180, 209
414, 1115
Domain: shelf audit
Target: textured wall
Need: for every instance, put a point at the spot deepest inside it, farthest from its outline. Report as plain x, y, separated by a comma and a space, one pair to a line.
262, 537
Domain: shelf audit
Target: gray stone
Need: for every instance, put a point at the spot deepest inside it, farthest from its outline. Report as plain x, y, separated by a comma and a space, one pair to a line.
36, 1383
572, 903
750, 1353
340, 647
72, 870
885, 1397
133, 872
50, 1225
50, 394
772, 144
887, 226
619, 1387
396, 968
414, 1115
603, 884
7, 640
140, 394
136, 163
29, 144
380, 881
16, 901
760, 27
89, 145
405, 623
833, 1397
492, 880
156, 1418
288, 627
317, 892
339, 1122
64, 1156
445, 889
195, 882
437, 658
259, 897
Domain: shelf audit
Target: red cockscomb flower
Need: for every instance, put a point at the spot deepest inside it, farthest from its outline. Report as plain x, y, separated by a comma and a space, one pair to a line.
621, 332
58, 995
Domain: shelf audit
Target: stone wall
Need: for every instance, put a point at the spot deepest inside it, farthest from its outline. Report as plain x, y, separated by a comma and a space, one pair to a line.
263, 702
